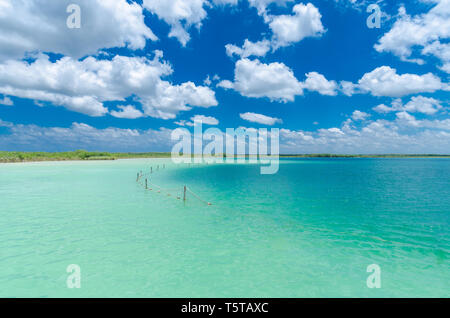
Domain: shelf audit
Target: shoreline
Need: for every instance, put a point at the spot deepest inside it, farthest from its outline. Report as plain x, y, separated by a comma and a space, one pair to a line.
81, 155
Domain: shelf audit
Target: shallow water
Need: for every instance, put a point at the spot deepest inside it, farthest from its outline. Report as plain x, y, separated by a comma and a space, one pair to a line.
310, 230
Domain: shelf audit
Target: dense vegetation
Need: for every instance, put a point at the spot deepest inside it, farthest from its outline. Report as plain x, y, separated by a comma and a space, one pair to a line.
17, 156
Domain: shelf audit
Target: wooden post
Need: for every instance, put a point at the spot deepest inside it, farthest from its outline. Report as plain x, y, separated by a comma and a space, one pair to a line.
184, 196
146, 187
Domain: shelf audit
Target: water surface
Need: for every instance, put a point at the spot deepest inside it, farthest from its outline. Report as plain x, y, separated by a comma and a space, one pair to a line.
310, 230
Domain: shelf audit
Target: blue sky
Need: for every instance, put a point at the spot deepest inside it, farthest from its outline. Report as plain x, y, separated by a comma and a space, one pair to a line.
134, 71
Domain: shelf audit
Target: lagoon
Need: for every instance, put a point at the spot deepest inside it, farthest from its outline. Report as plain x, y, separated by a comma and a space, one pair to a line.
310, 230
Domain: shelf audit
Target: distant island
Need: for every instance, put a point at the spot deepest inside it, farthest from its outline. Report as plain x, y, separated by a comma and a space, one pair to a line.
19, 156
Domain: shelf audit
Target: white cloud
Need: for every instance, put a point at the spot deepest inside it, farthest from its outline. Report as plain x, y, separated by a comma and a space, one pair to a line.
383, 109
260, 119
249, 48
275, 81
348, 88
83, 86
261, 5
423, 105
181, 122
181, 15
34, 25
225, 2
128, 112
384, 81
207, 81
441, 51
255, 79
225, 84
317, 82
407, 120
331, 132
288, 29
403, 135
357, 4
423, 30
6, 101
206, 120
359, 115
169, 99
397, 105
417, 104
83, 136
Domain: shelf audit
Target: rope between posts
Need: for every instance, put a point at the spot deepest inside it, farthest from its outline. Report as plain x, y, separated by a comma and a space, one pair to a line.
140, 179
195, 195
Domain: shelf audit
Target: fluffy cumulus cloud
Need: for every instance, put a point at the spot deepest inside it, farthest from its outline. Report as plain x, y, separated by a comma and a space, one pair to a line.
383, 109
359, 115
348, 88
260, 119
304, 22
207, 120
384, 81
318, 83
249, 48
83, 86
275, 81
286, 29
424, 105
441, 51
181, 15
128, 112
417, 104
36, 25
428, 31
407, 120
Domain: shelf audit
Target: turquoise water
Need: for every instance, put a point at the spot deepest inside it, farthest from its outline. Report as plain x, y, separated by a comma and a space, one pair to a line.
311, 230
